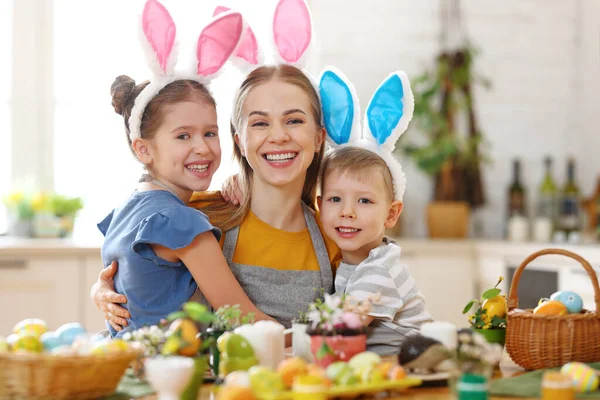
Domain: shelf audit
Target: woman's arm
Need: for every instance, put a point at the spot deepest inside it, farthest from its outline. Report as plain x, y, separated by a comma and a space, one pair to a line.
106, 299
204, 258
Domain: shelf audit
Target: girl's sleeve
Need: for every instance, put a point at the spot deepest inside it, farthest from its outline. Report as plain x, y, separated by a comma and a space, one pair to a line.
105, 223
174, 228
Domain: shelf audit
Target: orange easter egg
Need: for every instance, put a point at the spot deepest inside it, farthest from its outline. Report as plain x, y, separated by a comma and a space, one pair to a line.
551, 307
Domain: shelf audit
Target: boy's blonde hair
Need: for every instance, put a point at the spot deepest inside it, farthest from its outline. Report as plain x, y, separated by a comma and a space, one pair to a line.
358, 162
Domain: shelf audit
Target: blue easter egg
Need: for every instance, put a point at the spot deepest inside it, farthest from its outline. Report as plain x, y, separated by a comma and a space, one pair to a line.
571, 300
68, 332
50, 340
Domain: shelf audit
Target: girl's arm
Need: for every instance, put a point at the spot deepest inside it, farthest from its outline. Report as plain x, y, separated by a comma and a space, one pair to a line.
204, 258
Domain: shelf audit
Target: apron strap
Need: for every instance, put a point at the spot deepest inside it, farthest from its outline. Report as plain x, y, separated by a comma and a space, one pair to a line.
320, 249
231, 237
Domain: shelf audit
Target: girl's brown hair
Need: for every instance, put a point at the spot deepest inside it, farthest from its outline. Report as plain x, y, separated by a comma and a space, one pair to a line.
124, 91
284, 73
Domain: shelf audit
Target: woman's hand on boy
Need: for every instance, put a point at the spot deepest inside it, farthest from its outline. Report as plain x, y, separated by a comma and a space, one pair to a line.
106, 299
231, 190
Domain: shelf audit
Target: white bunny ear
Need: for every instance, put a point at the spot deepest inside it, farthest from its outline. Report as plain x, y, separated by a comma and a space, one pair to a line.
389, 111
292, 31
247, 55
158, 38
341, 109
217, 42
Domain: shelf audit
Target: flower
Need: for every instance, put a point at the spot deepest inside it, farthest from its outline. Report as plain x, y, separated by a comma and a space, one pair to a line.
474, 352
491, 311
338, 315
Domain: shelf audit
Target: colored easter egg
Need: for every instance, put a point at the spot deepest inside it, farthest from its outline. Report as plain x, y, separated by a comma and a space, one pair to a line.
34, 326
571, 300
551, 307
50, 340
584, 377
28, 342
68, 332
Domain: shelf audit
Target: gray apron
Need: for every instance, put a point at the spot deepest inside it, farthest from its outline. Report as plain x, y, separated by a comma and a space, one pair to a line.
283, 294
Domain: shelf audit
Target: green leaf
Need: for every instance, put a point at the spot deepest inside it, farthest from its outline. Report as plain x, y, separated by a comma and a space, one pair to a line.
468, 306
323, 351
176, 315
194, 307
491, 293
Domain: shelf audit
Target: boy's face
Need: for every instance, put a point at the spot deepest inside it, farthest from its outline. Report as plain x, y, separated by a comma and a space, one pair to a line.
355, 212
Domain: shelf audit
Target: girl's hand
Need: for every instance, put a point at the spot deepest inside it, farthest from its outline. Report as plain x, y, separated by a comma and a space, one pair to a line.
106, 299
231, 190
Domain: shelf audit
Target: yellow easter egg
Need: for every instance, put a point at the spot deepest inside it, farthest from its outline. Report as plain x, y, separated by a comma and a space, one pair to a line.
117, 346
33, 326
583, 376
101, 348
29, 343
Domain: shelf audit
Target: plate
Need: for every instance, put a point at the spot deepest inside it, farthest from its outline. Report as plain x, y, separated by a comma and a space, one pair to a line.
354, 390
432, 380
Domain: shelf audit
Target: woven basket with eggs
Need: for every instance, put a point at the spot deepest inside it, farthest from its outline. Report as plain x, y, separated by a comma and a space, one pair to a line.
536, 341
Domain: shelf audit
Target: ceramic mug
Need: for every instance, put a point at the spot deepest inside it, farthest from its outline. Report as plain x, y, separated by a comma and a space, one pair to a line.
300, 342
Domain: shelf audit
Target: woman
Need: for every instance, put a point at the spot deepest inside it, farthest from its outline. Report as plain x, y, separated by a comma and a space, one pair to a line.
272, 241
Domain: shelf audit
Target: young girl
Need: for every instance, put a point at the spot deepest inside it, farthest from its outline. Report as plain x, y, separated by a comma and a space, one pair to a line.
165, 249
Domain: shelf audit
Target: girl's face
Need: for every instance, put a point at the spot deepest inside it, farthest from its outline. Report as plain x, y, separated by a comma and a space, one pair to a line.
185, 152
279, 135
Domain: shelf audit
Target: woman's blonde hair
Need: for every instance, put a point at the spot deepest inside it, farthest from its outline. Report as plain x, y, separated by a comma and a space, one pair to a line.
283, 73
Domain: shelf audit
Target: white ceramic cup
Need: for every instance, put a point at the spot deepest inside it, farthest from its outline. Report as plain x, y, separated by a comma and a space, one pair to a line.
300, 342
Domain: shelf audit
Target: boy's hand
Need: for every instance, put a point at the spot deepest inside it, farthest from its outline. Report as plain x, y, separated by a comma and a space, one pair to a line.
231, 190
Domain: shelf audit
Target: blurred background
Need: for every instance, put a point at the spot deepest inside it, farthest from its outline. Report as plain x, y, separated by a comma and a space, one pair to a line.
501, 156
506, 100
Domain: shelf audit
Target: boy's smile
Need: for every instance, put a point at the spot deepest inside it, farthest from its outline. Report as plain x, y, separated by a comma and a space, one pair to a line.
355, 212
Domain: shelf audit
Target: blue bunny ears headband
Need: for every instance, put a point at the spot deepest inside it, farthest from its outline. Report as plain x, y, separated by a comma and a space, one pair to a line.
386, 118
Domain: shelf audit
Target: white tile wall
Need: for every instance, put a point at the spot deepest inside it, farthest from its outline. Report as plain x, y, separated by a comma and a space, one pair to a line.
542, 56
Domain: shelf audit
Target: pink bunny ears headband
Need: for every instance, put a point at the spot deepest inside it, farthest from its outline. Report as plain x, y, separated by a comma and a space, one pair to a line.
216, 43
224, 36
386, 118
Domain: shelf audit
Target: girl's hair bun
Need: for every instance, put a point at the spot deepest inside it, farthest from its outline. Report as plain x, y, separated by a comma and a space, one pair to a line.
121, 90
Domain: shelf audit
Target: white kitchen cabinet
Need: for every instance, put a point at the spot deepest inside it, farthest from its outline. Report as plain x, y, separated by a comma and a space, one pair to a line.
45, 287
445, 277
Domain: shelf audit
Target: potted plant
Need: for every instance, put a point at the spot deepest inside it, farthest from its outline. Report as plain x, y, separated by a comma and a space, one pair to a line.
66, 209
489, 319
20, 213
178, 335
227, 318
336, 329
443, 97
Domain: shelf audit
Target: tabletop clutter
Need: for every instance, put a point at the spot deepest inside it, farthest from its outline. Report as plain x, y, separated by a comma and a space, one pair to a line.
248, 360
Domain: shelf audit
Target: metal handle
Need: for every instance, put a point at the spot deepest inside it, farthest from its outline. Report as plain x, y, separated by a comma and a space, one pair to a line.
13, 264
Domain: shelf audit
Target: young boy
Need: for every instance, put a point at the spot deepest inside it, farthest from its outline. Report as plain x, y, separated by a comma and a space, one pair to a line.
357, 205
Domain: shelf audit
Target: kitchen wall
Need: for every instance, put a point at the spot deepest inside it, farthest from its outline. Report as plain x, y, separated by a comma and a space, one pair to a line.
542, 56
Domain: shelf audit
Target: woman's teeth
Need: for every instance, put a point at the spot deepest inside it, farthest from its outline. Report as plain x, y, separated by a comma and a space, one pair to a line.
198, 168
280, 157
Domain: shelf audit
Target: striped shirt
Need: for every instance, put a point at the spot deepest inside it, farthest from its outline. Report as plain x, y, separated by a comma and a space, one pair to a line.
400, 310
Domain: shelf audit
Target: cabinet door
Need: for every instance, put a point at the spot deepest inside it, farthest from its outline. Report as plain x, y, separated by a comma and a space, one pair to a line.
39, 287
93, 318
446, 283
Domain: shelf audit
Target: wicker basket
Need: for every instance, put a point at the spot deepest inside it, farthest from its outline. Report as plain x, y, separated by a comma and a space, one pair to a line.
46, 376
547, 341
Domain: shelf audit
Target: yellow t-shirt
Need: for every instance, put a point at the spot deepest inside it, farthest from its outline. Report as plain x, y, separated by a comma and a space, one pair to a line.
260, 244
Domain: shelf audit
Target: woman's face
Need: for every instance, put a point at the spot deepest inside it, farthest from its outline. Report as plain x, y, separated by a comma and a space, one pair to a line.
279, 135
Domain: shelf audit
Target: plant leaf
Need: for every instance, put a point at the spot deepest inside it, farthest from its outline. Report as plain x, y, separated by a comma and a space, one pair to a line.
491, 293
323, 351
468, 306
176, 315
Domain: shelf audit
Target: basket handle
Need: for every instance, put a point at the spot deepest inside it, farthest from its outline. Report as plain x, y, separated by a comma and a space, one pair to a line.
513, 299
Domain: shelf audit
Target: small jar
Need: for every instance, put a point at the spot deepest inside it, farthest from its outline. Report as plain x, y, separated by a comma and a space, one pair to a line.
472, 387
557, 386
